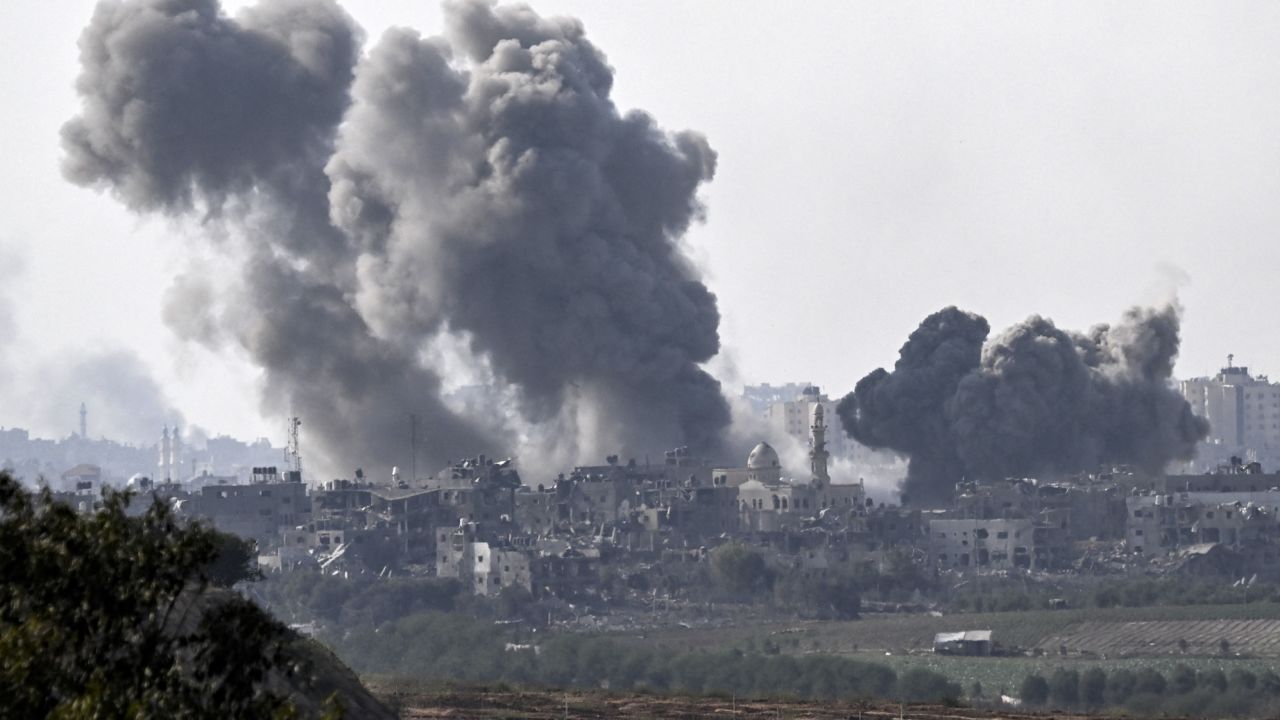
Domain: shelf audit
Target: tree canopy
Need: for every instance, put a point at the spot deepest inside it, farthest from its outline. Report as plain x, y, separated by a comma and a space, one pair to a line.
103, 615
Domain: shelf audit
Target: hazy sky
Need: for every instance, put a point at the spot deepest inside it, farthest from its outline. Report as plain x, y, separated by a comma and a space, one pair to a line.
877, 161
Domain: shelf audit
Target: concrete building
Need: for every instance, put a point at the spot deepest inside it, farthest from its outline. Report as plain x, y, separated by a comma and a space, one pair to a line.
996, 544
258, 511
487, 567
83, 479
793, 417
1161, 523
1243, 412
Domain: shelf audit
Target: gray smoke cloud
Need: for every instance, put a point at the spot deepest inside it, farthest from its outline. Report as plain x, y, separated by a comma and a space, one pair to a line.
188, 111
124, 401
495, 189
1034, 400
481, 185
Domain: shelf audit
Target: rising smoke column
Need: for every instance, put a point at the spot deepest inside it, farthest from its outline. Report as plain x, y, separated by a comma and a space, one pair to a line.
905, 410
189, 112
1034, 400
495, 190
481, 185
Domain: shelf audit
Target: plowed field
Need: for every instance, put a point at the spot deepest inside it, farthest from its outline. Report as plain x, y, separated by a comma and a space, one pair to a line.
1259, 638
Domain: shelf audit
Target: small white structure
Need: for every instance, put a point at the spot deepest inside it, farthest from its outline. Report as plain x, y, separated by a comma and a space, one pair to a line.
969, 642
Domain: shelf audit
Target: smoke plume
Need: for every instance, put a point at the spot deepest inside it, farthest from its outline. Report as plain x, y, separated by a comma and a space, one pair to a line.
1034, 400
480, 185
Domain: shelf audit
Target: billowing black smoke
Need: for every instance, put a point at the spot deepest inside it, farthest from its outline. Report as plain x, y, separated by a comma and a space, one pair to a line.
1034, 400
494, 189
480, 185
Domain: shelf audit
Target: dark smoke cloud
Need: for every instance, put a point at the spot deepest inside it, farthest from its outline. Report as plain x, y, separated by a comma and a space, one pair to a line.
1034, 400
481, 185
502, 194
186, 109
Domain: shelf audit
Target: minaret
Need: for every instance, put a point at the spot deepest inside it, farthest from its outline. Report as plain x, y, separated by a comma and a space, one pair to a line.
165, 457
818, 448
84, 422
175, 455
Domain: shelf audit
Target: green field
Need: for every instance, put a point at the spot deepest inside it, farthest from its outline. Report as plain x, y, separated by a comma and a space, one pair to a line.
905, 641
1006, 673
902, 634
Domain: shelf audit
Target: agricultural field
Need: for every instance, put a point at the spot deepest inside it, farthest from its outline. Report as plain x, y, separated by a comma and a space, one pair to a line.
1253, 629
1250, 638
1005, 674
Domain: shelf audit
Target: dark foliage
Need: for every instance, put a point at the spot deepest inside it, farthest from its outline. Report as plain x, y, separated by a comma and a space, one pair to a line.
106, 616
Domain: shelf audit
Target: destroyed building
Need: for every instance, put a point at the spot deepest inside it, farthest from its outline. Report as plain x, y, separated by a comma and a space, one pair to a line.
997, 544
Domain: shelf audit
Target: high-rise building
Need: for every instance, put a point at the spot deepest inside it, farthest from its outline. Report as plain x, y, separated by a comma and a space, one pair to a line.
793, 417
1243, 411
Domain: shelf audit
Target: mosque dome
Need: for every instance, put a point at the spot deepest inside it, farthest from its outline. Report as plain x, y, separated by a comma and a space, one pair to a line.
763, 457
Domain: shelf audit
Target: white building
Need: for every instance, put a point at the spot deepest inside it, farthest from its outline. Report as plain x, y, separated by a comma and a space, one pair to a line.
1243, 412
792, 417
485, 567
768, 502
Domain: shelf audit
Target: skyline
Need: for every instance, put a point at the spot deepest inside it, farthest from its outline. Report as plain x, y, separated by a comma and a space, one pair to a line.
901, 155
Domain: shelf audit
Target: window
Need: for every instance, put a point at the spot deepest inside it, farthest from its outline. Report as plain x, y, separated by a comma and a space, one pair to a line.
1002, 535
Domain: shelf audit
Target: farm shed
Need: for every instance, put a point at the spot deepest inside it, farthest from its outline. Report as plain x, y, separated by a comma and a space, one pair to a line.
969, 642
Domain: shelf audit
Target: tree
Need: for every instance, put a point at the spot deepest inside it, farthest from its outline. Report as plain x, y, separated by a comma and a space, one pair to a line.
1182, 679
1064, 688
1149, 681
1035, 690
1120, 685
921, 685
235, 560
739, 568
1214, 680
103, 615
1093, 688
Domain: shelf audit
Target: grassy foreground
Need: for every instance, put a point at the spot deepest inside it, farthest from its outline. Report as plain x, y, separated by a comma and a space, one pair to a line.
417, 701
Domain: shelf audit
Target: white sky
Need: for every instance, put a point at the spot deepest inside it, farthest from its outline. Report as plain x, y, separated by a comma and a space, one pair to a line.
878, 161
